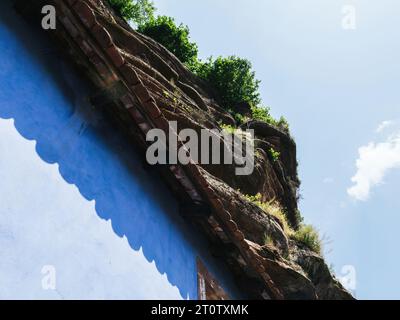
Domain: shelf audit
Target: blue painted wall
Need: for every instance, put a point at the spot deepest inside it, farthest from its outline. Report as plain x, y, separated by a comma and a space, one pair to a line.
51, 141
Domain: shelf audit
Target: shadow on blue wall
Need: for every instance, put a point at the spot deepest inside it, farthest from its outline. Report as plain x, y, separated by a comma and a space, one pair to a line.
49, 105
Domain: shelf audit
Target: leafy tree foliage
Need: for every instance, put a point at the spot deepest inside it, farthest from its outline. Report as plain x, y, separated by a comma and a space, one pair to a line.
174, 37
233, 78
137, 11
263, 114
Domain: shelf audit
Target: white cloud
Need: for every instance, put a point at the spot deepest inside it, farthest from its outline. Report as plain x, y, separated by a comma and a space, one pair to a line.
384, 125
373, 163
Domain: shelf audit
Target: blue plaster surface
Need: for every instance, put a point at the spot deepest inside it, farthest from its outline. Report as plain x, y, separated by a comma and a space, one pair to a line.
51, 139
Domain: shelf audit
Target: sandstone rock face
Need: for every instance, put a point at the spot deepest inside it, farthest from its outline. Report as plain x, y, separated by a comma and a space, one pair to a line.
144, 86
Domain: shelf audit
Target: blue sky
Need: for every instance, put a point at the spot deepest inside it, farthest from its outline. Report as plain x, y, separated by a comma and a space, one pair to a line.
339, 90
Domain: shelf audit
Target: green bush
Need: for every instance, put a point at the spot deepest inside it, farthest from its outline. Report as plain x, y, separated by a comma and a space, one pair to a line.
172, 36
228, 128
240, 119
263, 114
138, 11
272, 208
274, 155
308, 236
283, 124
233, 78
